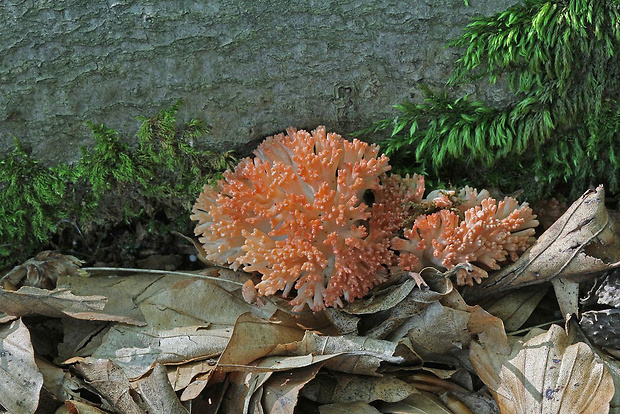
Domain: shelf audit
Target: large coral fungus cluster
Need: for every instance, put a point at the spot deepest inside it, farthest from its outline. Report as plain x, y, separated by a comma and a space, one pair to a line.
295, 213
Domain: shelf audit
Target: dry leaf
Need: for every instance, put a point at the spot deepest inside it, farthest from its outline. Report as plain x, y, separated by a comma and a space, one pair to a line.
255, 338
19, 375
182, 376
351, 354
348, 408
168, 301
346, 388
416, 403
42, 271
281, 390
111, 382
443, 331
57, 303
579, 244
545, 374
515, 307
78, 407
136, 349
158, 395
81, 338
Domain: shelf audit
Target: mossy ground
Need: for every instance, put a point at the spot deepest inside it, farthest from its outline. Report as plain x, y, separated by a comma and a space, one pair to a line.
118, 204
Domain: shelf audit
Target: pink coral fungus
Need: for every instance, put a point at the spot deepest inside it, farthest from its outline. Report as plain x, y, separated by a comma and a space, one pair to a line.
488, 234
295, 213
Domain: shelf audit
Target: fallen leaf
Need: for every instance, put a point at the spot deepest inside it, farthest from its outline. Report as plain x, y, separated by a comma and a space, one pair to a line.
515, 307
182, 376
78, 407
253, 338
169, 300
136, 349
158, 395
580, 244
57, 303
346, 388
348, 408
545, 374
19, 374
281, 390
111, 382
416, 403
443, 331
351, 354
42, 271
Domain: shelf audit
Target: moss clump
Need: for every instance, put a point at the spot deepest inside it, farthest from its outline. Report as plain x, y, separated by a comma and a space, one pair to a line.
558, 136
113, 187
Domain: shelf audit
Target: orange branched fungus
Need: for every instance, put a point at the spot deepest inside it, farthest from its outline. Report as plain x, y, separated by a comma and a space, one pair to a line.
489, 234
295, 213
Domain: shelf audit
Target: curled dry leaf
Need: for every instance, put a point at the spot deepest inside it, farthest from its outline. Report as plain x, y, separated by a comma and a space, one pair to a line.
418, 403
348, 408
346, 388
578, 245
254, 338
444, 330
57, 303
515, 307
158, 395
19, 375
351, 354
111, 382
545, 374
136, 349
42, 271
393, 306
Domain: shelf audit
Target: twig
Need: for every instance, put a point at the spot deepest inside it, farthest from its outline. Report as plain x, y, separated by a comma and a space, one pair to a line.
159, 272
536, 326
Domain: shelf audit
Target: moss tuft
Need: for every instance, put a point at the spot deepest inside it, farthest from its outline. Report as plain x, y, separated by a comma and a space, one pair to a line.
150, 187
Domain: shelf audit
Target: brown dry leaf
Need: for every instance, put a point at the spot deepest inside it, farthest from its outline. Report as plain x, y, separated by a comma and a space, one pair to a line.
255, 338
545, 374
42, 271
136, 349
79, 407
158, 395
350, 354
168, 301
81, 338
111, 383
444, 330
416, 403
281, 390
578, 245
183, 375
346, 388
57, 303
19, 375
268, 391
348, 408
515, 307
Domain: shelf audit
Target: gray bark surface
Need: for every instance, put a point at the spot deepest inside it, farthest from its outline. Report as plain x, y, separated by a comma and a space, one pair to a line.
248, 68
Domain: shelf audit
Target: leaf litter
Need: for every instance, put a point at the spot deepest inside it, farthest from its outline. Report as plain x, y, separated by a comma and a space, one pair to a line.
85, 341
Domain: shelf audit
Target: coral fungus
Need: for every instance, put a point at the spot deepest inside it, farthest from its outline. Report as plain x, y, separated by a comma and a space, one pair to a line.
489, 234
295, 213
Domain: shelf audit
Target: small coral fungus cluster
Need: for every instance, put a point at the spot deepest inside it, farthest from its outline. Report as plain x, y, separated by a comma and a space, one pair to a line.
297, 214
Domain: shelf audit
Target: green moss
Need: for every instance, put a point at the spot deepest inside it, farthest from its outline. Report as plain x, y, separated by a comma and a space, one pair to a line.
558, 136
152, 186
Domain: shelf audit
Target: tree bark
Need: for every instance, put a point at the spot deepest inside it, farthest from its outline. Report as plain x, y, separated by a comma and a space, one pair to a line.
248, 68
